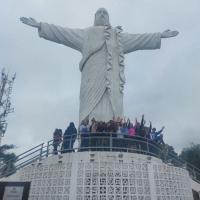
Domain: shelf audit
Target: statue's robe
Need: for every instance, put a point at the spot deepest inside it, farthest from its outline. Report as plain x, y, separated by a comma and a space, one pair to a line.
102, 64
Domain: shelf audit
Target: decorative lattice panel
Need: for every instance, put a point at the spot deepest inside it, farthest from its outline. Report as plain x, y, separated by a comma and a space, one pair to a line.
113, 181
106, 176
50, 182
171, 183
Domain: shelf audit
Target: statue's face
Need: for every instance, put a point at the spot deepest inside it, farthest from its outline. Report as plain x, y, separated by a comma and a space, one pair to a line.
101, 17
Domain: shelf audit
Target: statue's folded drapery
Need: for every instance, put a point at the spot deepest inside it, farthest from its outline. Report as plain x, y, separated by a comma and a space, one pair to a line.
102, 65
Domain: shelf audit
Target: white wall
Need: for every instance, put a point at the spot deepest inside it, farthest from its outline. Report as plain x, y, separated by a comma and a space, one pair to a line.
105, 175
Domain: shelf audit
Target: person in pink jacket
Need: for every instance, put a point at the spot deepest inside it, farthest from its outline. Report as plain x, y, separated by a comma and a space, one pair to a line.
131, 128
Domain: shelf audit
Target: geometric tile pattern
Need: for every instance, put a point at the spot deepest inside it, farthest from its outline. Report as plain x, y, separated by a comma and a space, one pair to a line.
81, 177
172, 183
113, 181
50, 182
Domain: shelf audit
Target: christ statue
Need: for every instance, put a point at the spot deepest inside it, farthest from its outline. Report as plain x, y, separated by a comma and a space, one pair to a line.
102, 65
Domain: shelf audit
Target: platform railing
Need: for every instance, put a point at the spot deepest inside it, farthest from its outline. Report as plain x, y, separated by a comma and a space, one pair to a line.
21, 160
97, 142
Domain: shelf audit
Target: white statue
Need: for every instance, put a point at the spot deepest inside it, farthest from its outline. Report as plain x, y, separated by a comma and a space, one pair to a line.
102, 65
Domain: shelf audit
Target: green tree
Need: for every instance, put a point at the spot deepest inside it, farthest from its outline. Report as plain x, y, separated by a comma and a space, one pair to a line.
169, 155
191, 154
7, 160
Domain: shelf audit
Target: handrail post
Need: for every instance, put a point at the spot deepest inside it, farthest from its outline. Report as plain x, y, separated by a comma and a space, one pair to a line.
70, 143
41, 150
79, 140
194, 173
147, 146
47, 153
111, 142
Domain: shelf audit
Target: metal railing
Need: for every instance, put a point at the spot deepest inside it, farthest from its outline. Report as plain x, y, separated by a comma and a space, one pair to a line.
98, 142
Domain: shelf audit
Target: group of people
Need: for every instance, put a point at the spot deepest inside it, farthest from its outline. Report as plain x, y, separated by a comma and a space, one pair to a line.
122, 127
119, 127
66, 140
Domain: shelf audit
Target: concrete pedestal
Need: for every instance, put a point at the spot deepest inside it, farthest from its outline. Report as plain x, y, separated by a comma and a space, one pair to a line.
105, 176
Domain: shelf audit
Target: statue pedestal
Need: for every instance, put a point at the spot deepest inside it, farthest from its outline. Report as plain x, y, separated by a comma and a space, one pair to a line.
104, 175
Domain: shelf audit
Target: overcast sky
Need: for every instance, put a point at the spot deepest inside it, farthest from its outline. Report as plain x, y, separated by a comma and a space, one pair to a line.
162, 84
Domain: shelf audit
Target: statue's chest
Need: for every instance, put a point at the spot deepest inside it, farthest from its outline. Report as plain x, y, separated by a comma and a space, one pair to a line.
101, 35
112, 40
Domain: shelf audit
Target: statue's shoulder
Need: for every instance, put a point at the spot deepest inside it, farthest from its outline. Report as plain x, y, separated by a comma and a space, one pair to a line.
89, 28
94, 28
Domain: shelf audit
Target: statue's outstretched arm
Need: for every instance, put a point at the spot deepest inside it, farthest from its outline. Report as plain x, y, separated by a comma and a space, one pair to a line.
69, 37
30, 22
168, 33
145, 41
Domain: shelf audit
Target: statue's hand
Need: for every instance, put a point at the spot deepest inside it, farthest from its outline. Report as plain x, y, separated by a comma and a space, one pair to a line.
30, 21
168, 33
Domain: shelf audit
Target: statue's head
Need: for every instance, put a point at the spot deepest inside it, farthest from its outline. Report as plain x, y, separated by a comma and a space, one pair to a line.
101, 17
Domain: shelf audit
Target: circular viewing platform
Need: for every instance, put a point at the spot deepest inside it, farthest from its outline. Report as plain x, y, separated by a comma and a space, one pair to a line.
103, 167
108, 142
102, 142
